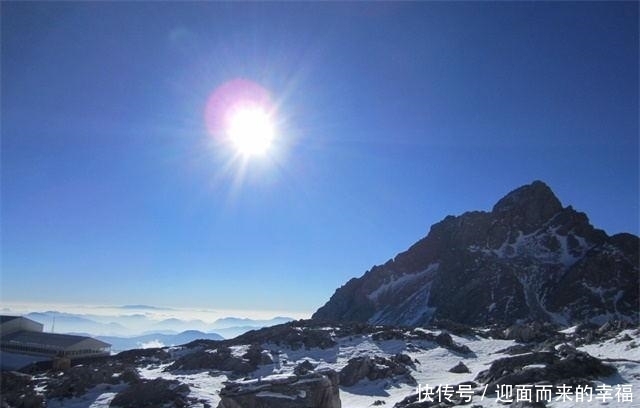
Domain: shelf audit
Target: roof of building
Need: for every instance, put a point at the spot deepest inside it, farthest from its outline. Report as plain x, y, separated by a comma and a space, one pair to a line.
4, 318
49, 339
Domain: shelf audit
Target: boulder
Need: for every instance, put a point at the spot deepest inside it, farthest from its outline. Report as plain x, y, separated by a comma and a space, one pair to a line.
445, 340
359, 368
153, 393
517, 349
565, 366
293, 334
219, 359
257, 356
459, 368
303, 368
314, 390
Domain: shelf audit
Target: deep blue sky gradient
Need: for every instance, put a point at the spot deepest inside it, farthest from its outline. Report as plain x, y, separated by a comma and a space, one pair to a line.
393, 115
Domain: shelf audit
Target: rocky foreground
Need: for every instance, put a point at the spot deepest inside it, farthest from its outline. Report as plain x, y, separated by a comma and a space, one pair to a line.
309, 364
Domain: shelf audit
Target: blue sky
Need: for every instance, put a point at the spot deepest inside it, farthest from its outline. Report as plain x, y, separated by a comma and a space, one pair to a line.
390, 117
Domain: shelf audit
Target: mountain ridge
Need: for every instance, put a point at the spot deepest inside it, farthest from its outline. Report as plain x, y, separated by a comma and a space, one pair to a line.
529, 258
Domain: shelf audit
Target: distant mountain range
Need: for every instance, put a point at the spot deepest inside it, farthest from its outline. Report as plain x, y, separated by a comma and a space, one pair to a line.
529, 258
156, 340
68, 322
141, 328
244, 322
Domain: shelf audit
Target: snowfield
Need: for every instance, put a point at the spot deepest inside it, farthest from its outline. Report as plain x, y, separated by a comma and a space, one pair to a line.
431, 364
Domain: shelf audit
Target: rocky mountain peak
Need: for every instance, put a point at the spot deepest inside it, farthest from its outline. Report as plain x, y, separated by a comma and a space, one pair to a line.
529, 258
535, 193
530, 205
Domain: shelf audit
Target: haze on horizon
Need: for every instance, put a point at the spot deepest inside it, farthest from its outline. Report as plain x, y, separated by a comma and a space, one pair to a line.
127, 177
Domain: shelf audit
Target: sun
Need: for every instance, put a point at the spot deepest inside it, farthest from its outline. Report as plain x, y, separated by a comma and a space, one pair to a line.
251, 130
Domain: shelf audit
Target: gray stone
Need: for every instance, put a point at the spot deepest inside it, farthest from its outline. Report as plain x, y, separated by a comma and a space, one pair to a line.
314, 390
152, 393
459, 368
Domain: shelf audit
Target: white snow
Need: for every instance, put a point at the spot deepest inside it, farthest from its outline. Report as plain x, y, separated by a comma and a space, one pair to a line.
97, 397
432, 365
395, 283
204, 387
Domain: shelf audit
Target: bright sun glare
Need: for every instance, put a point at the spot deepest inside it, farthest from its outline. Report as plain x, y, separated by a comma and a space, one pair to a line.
251, 131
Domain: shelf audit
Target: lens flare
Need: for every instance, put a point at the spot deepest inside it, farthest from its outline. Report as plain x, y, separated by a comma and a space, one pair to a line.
240, 114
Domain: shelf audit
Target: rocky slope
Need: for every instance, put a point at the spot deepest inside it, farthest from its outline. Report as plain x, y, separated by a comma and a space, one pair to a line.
309, 364
530, 258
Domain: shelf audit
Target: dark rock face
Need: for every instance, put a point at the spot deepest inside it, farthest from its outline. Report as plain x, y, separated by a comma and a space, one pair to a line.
565, 366
459, 368
219, 359
375, 368
17, 390
314, 390
293, 334
153, 393
527, 259
443, 339
303, 368
77, 380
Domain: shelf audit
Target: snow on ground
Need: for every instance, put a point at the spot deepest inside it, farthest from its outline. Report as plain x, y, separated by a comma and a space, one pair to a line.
435, 362
204, 386
97, 397
432, 368
616, 348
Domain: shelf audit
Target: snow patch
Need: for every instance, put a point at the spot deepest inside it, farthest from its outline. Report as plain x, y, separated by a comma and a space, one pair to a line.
398, 282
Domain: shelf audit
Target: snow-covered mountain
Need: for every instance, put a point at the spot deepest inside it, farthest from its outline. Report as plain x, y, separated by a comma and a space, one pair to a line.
529, 258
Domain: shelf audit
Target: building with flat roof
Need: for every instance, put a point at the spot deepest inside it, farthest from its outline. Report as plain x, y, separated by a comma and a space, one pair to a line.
24, 336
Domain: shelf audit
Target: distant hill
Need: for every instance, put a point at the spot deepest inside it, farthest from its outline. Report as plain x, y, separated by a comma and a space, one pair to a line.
156, 340
142, 307
227, 322
138, 324
67, 323
529, 258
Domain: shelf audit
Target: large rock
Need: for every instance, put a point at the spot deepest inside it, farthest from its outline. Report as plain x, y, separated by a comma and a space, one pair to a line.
314, 390
376, 368
529, 258
217, 359
459, 368
153, 393
293, 334
563, 366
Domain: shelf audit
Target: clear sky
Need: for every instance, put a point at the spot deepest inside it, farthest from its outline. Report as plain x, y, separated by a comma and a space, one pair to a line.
388, 117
